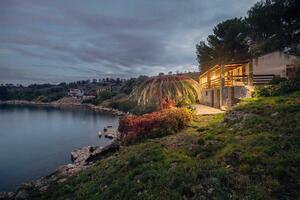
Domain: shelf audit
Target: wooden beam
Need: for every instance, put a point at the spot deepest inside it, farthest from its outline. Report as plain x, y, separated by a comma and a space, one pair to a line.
222, 71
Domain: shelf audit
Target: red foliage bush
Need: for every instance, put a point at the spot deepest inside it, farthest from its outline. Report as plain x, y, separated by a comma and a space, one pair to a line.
151, 125
167, 103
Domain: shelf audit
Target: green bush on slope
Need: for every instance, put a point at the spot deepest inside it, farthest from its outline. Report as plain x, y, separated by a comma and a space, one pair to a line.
282, 88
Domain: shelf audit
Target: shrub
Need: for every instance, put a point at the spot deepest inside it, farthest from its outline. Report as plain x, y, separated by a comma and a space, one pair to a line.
102, 96
277, 80
166, 91
281, 88
132, 107
124, 105
94, 101
42, 99
156, 124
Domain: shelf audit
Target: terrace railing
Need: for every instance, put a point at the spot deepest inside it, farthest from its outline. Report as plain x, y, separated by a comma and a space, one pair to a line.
236, 80
262, 79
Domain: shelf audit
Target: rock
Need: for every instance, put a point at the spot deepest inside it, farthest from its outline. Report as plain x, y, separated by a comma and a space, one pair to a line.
39, 183
21, 195
85, 155
210, 190
63, 170
6, 195
274, 114
233, 159
248, 116
233, 116
172, 167
62, 180
237, 126
26, 184
44, 188
110, 132
100, 153
197, 189
70, 165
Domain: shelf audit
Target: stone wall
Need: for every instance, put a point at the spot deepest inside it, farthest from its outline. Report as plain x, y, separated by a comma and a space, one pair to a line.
228, 100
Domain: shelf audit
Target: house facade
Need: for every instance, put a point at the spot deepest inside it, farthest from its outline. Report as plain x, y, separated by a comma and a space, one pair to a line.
75, 93
223, 85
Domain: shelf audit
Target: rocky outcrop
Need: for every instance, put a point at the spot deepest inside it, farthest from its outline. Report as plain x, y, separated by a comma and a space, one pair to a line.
6, 195
82, 158
238, 115
110, 132
87, 155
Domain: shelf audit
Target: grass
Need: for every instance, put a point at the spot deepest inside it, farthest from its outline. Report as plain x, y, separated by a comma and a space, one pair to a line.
257, 157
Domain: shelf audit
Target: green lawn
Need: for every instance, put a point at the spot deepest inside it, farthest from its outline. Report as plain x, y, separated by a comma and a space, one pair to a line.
256, 157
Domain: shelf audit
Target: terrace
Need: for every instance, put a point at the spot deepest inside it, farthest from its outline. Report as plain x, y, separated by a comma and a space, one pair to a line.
234, 74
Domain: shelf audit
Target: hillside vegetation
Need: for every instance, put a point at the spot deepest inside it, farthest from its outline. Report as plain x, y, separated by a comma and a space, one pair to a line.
253, 154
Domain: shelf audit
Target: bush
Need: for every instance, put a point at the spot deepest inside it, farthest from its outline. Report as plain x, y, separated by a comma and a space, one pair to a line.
102, 96
132, 107
277, 80
124, 105
281, 88
94, 101
156, 124
42, 99
140, 110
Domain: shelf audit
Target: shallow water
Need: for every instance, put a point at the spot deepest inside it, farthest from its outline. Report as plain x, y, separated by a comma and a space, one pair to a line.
34, 141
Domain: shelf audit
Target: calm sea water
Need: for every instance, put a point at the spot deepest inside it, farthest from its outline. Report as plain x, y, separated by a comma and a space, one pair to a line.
36, 140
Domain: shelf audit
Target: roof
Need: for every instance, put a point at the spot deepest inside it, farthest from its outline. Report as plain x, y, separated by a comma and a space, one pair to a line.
229, 64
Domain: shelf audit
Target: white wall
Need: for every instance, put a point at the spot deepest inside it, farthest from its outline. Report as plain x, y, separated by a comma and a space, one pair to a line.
272, 63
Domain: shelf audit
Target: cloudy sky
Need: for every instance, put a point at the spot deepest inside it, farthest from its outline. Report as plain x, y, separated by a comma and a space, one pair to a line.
65, 40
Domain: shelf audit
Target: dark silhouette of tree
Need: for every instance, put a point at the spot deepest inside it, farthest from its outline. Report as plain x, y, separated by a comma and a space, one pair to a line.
227, 43
270, 25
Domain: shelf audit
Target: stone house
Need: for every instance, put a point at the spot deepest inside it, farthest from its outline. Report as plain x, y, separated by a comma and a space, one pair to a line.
75, 93
223, 85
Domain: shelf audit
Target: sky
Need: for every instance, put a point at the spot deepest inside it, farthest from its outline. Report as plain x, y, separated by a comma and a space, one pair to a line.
52, 41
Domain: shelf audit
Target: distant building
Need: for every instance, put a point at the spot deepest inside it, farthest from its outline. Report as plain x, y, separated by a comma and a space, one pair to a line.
224, 84
100, 89
76, 93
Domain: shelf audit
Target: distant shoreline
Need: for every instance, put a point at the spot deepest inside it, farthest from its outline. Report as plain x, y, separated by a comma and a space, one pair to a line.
65, 104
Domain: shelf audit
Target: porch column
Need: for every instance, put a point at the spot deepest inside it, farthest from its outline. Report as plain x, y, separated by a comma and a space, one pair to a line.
250, 73
244, 72
208, 79
222, 70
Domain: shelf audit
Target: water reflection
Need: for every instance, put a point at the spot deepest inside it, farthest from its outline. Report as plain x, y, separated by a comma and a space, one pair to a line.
35, 140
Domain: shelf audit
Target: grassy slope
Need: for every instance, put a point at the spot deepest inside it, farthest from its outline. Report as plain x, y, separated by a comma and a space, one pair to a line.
254, 158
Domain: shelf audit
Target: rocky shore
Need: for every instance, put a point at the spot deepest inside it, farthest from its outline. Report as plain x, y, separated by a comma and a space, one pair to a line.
82, 159
61, 104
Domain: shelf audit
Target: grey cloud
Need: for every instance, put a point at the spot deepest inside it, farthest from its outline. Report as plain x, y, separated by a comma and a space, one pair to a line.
119, 37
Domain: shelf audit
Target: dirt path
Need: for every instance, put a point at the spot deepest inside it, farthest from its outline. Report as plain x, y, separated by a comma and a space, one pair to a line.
206, 110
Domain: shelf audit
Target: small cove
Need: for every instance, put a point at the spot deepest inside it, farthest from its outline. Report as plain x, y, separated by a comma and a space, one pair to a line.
34, 141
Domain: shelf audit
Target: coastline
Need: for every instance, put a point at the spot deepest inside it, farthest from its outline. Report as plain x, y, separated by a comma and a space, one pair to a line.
56, 104
81, 158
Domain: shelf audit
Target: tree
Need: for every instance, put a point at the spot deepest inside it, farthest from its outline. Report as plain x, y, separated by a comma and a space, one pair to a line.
275, 25
227, 43
271, 25
4, 94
